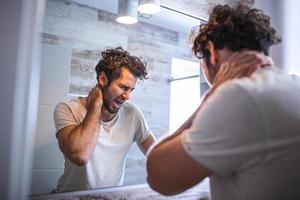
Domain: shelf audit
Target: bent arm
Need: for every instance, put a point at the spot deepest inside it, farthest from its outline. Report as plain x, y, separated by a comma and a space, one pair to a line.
145, 146
77, 142
171, 170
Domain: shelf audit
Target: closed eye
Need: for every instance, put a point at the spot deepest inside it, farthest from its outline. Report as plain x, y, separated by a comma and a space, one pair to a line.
125, 87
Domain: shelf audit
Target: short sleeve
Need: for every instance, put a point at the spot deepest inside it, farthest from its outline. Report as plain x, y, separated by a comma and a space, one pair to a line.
228, 133
63, 116
142, 131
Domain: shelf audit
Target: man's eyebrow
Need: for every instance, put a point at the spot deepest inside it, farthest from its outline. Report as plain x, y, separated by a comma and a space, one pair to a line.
126, 86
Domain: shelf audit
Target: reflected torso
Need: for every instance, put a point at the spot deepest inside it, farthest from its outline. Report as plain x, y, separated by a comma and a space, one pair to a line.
107, 164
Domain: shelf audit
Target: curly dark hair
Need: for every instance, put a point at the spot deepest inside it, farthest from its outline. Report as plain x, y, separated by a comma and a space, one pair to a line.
113, 60
235, 28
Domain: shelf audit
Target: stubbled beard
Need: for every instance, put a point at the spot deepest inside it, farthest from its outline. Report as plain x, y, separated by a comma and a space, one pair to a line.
106, 102
106, 106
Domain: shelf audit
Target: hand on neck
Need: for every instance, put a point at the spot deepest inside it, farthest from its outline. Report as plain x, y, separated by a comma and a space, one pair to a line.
105, 114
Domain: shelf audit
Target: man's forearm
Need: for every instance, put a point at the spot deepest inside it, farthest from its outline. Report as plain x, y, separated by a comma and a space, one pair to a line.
83, 138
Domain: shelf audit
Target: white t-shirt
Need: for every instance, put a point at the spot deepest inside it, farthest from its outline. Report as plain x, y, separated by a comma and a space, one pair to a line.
248, 135
107, 164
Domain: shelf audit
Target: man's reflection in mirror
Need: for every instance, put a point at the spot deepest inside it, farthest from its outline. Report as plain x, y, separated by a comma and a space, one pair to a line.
96, 132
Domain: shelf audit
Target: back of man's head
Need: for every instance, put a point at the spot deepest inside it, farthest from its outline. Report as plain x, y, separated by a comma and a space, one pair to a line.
235, 28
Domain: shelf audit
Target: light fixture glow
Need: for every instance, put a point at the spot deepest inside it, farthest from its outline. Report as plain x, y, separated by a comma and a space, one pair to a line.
126, 20
149, 6
127, 11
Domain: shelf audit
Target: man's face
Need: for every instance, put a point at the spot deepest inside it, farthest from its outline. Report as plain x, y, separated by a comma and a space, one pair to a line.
118, 91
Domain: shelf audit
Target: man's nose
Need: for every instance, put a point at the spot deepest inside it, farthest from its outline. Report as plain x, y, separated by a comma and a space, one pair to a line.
126, 94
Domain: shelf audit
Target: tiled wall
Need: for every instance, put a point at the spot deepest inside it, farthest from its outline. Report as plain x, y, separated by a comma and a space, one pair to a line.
54, 86
87, 32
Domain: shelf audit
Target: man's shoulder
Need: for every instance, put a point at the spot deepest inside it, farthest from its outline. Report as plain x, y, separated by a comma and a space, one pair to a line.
234, 90
261, 85
130, 107
67, 111
259, 80
73, 104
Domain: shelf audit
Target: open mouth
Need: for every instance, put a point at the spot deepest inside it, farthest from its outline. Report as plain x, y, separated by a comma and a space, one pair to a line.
118, 103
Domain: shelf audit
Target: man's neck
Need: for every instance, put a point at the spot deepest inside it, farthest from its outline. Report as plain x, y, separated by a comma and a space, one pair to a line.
105, 115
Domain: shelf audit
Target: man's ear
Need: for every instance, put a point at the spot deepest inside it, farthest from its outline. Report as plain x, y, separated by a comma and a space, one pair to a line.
213, 53
102, 79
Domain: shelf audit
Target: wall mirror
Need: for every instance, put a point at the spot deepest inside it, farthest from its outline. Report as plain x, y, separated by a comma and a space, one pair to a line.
73, 36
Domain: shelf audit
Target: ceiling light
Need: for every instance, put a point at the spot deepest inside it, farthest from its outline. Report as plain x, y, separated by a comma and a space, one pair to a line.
127, 11
149, 6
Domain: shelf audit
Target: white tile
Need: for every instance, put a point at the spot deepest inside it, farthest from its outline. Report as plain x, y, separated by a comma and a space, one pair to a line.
46, 151
44, 181
55, 74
